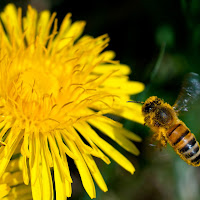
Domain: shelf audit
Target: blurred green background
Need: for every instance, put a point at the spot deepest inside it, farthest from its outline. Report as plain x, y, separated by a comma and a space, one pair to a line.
160, 40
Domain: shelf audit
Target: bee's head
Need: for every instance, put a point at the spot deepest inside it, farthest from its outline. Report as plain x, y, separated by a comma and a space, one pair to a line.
150, 105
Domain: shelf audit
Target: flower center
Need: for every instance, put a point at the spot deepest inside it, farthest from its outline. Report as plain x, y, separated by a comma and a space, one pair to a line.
40, 83
32, 95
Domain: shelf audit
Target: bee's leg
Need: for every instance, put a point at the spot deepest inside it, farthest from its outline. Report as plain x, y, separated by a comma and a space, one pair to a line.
163, 141
157, 136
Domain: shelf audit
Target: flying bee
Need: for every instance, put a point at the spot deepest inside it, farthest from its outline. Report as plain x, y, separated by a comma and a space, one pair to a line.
163, 120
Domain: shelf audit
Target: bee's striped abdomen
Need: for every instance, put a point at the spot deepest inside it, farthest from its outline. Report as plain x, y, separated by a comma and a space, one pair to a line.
185, 143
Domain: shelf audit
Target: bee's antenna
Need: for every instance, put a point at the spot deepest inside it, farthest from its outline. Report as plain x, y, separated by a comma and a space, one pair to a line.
136, 102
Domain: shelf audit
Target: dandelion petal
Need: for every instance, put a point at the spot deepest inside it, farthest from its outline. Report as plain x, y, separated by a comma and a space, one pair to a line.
108, 149
84, 172
113, 133
95, 172
59, 182
4, 188
46, 178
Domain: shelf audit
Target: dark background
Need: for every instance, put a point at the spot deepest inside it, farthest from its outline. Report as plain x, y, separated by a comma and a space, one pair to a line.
160, 41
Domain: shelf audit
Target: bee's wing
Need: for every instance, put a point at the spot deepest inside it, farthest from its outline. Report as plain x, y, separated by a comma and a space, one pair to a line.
190, 92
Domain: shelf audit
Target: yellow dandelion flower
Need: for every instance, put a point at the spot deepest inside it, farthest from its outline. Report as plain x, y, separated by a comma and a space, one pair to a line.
11, 183
54, 90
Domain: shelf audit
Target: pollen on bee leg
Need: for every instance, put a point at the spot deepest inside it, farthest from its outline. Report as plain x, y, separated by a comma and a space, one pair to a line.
163, 141
157, 136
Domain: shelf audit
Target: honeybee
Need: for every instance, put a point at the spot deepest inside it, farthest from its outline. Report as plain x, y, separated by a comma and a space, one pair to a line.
163, 120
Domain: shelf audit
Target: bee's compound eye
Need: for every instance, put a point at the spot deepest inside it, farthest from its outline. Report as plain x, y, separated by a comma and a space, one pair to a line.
148, 108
